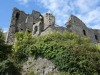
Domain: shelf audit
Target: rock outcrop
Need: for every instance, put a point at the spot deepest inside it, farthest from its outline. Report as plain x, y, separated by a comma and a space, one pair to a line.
40, 66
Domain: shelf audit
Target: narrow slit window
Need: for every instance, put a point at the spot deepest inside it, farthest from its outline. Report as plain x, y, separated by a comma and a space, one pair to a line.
84, 32
17, 16
96, 37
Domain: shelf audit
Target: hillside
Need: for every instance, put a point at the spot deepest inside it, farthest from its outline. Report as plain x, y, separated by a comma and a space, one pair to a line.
69, 53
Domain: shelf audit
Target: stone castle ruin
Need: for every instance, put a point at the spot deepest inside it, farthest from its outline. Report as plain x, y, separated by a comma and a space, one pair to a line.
39, 24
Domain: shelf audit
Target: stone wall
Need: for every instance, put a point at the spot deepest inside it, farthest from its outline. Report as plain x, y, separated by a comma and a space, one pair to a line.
17, 24
75, 25
48, 19
39, 24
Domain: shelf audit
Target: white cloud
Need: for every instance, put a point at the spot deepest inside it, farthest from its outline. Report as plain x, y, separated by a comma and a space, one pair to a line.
58, 8
5, 30
86, 5
86, 10
97, 26
23, 2
91, 18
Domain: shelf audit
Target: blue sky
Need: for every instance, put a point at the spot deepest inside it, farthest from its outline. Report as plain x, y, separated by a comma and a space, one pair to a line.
87, 10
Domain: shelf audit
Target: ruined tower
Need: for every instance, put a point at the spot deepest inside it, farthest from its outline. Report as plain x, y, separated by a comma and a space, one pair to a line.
75, 25
17, 24
34, 23
39, 24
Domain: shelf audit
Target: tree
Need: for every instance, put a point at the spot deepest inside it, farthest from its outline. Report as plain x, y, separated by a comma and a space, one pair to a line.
7, 66
5, 49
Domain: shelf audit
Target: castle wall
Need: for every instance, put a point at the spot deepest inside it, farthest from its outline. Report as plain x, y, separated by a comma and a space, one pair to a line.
38, 24
36, 16
48, 20
77, 26
54, 28
17, 24
32, 19
99, 35
20, 22
29, 23
37, 29
58, 28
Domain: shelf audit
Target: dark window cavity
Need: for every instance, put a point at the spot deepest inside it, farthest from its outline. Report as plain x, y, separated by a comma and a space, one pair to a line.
17, 16
33, 23
35, 29
84, 32
29, 31
96, 37
21, 29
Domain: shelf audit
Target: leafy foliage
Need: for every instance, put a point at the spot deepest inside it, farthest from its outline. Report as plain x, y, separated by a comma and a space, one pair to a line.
5, 49
69, 52
98, 46
6, 65
22, 45
1, 34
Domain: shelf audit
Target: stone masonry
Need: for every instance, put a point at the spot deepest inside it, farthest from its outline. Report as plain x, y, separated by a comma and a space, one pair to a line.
39, 24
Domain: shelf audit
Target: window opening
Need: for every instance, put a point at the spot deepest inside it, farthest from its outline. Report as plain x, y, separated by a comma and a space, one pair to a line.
96, 37
17, 16
84, 32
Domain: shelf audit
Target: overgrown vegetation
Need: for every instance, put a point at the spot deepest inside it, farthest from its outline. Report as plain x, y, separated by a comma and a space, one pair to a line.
6, 65
98, 46
69, 52
4, 48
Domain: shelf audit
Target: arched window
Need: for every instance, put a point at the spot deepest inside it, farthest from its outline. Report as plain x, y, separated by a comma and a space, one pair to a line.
35, 29
17, 16
84, 32
96, 37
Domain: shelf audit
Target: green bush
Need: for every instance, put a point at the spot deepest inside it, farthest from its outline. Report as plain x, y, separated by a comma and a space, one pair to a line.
98, 46
1, 34
69, 52
5, 49
7, 67
21, 47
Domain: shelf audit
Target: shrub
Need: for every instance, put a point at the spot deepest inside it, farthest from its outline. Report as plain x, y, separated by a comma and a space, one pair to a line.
1, 34
98, 46
5, 49
68, 51
21, 47
7, 67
